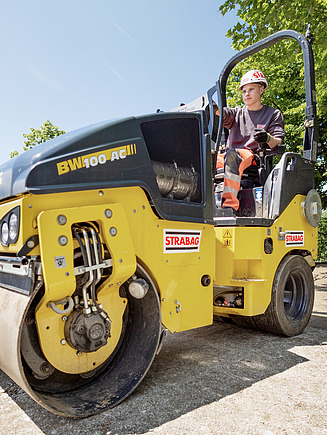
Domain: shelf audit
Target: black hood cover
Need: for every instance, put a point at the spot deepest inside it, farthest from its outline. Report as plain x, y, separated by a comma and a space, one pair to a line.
38, 170
118, 154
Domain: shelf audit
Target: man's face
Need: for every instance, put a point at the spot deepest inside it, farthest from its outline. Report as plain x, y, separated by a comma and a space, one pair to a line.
252, 95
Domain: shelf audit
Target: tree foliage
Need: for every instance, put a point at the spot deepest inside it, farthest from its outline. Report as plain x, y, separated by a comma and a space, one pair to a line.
46, 132
322, 239
282, 65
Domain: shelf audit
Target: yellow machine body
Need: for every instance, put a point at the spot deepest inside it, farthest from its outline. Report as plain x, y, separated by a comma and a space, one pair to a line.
138, 237
241, 260
115, 233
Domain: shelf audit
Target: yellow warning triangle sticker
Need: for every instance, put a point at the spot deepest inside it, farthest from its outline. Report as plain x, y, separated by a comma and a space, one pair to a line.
227, 235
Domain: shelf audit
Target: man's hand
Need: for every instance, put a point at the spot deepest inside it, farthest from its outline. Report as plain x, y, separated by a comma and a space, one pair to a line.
261, 136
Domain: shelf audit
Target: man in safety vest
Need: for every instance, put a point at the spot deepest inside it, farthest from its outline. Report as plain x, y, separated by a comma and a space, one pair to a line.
249, 126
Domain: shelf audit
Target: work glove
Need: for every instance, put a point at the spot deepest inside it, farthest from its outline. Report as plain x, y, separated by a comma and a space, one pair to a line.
261, 136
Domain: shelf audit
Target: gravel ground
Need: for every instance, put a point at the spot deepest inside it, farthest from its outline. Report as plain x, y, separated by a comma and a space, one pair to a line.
220, 379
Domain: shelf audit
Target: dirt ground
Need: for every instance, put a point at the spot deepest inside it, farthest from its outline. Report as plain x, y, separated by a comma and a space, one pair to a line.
220, 379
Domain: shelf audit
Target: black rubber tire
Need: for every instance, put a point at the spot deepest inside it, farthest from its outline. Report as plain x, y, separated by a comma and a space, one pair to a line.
223, 319
244, 321
292, 298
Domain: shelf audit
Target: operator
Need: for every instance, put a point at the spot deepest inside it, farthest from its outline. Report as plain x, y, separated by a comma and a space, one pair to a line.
250, 127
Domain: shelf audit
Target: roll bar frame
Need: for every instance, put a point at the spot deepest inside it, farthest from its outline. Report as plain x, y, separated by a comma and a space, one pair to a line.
311, 138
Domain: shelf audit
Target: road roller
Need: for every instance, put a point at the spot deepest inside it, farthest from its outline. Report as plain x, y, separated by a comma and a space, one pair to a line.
111, 235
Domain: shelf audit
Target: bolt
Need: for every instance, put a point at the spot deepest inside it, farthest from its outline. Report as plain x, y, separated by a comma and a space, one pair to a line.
108, 213
62, 240
67, 274
63, 341
29, 320
120, 260
134, 211
30, 244
78, 353
29, 205
113, 231
61, 219
45, 367
101, 193
64, 318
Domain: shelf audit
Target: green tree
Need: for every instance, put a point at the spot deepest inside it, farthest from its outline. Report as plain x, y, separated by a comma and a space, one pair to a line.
282, 65
46, 132
322, 239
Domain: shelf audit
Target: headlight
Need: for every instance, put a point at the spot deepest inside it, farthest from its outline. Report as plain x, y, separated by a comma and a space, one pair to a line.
13, 226
4, 233
9, 227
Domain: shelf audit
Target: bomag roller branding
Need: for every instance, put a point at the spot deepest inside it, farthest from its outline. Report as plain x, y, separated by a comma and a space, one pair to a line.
92, 160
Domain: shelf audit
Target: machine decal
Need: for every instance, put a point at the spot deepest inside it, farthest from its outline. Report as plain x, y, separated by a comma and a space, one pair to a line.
227, 239
181, 241
60, 262
92, 160
294, 238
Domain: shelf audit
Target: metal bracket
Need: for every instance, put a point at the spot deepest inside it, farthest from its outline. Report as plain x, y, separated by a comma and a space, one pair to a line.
178, 306
309, 123
28, 246
15, 267
281, 234
82, 269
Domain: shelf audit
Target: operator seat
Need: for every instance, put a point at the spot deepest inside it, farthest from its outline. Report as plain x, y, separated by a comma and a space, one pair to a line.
256, 174
253, 178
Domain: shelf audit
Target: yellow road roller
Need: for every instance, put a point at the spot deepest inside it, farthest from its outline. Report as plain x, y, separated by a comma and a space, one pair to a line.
110, 235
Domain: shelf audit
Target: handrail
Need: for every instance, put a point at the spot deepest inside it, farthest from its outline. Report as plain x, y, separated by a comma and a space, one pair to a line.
311, 139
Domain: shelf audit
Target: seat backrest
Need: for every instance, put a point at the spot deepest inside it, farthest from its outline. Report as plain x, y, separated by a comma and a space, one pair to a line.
291, 176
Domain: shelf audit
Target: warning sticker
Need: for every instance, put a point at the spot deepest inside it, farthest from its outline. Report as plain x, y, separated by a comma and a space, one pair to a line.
294, 238
227, 239
60, 262
181, 241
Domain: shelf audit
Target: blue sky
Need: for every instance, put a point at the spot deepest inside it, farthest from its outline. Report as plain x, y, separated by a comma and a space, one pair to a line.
78, 62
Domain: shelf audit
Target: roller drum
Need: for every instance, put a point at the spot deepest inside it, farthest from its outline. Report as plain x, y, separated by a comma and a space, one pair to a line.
82, 394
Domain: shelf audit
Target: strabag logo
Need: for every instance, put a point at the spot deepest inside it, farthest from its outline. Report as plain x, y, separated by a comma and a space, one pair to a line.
95, 159
294, 238
181, 241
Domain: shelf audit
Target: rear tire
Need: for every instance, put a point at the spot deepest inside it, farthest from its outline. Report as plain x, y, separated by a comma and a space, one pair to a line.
244, 321
292, 298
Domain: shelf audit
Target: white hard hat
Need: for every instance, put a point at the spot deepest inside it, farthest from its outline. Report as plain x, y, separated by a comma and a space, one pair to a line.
254, 76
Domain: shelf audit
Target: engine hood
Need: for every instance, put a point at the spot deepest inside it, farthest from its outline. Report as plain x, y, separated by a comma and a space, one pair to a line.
120, 153
36, 169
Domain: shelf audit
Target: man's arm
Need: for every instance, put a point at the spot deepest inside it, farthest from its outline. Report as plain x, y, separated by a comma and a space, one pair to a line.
274, 141
262, 136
